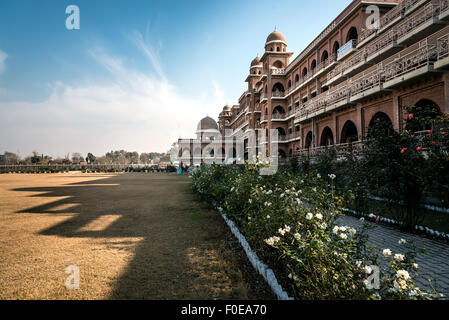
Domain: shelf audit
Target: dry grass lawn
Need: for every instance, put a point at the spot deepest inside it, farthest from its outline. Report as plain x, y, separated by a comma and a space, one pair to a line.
133, 236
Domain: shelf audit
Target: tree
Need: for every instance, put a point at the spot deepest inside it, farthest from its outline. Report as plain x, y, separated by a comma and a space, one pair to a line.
90, 158
11, 158
77, 157
144, 158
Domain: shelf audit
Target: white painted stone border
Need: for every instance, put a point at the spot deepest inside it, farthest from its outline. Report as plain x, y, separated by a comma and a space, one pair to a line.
262, 268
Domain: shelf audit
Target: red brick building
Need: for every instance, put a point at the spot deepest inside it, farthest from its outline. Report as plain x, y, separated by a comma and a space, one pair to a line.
350, 74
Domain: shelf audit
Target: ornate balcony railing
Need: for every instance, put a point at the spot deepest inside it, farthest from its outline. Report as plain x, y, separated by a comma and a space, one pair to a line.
278, 116
366, 82
443, 47
277, 94
339, 94
278, 72
423, 15
381, 43
411, 61
444, 5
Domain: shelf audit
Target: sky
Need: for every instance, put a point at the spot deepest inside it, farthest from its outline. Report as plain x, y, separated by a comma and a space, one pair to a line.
137, 74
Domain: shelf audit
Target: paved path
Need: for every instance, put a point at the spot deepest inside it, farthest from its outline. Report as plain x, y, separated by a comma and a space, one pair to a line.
434, 264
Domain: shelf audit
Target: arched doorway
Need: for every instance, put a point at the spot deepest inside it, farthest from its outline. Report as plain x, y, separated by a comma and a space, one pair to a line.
327, 137
349, 133
308, 141
278, 110
383, 121
335, 48
352, 34
424, 113
324, 56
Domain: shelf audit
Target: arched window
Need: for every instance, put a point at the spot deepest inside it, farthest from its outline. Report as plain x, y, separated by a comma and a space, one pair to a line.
297, 78
349, 133
324, 56
289, 84
327, 137
281, 131
313, 65
278, 87
384, 123
424, 112
278, 64
335, 47
308, 142
352, 34
278, 109
304, 71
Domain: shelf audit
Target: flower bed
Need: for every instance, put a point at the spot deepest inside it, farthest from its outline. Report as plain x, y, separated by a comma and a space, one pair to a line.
290, 223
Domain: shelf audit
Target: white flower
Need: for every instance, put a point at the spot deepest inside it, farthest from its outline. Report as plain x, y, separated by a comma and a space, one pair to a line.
368, 269
323, 225
352, 231
400, 284
332, 176
343, 229
335, 229
402, 241
314, 189
318, 175
399, 257
232, 189
282, 195
358, 264
372, 216
403, 274
250, 201
268, 217
319, 216
309, 216
386, 252
415, 266
377, 296
343, 236
287, 228
281, 231
362, 219
297, 236
272, 241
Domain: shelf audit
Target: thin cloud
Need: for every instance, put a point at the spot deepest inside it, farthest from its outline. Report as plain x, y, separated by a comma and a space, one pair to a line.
3, 57
132, 110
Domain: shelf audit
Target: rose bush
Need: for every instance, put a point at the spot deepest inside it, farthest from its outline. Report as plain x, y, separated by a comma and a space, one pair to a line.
290, 222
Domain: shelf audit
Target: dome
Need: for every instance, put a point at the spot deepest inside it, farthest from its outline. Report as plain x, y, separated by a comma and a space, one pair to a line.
276, 36
227, 108
255, 62
207, 124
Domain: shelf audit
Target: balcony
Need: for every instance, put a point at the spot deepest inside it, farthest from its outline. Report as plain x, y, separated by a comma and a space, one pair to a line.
407, 66
443, 53
423, 21
382, 47
444, 10
347, 48
277, 95
367, 84
389, 19
278, 72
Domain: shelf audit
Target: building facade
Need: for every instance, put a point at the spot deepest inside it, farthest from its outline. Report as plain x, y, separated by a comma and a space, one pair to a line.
350, 74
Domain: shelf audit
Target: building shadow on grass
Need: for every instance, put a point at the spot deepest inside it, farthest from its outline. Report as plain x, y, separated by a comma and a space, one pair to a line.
178, 240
